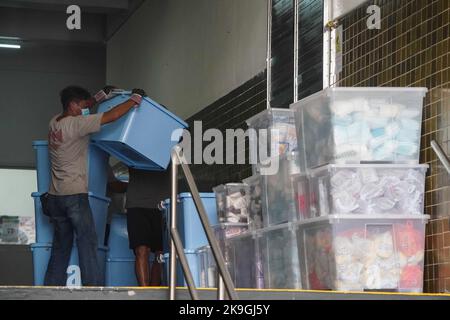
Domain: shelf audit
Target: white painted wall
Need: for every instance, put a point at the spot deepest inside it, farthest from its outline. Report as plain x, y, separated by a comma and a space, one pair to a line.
187, 54
16, 187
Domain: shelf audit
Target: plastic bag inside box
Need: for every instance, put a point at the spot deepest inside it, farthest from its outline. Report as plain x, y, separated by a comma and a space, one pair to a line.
233, 201
368, 189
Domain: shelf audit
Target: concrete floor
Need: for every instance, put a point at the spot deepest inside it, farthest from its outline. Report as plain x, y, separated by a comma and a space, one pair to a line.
46, 293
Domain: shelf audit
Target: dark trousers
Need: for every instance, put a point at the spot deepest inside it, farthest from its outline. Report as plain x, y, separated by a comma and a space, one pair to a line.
69, 214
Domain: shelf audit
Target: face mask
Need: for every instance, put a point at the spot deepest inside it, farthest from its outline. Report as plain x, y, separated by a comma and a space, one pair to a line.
85, 112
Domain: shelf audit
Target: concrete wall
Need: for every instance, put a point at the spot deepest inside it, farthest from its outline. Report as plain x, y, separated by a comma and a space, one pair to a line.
30, 81
187, 54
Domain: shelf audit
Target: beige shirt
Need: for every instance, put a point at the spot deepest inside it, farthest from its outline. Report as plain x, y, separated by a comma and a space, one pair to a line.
68, 142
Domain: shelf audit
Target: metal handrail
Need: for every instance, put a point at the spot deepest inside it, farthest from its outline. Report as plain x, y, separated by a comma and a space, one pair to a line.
176, 248
441, 155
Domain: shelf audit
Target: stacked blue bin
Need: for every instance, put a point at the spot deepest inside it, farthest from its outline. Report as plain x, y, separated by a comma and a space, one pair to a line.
41, 256
98, 175
120, 259
190, 229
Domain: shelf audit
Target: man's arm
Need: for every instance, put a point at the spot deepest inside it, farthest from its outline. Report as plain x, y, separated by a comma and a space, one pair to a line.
121, 109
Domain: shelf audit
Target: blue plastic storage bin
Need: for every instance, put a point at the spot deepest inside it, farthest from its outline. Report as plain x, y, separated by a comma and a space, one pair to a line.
118, 242
44, 229
143, 138
120, 272
98, 162
191, 257
42, 165
41, 256
188, 220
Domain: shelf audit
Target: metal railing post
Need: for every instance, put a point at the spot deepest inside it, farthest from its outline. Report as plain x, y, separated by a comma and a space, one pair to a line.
176, 248
173, 225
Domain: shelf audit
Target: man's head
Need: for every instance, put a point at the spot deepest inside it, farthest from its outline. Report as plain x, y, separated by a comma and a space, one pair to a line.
74, 99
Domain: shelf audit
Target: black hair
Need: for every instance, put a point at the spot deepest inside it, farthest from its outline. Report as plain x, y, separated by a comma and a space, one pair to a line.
73, 93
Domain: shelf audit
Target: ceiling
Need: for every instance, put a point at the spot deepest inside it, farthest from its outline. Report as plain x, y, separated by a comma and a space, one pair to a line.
94, 6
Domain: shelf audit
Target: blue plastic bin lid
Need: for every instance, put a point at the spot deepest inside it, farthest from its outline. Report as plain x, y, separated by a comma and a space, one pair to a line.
120, 260
202, 195
40, 143
159, 107
187, 195
166, 255
105, 199
49, 245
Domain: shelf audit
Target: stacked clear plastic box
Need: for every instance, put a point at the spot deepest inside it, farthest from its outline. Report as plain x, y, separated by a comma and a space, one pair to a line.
246, 262
207, 267
279, 255
279, 194
350, 253
274, 133
368, 189
256, 187
232, 201
356, 125
225, 231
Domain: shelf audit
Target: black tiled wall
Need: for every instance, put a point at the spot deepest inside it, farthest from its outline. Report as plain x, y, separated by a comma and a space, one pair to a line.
310, 47
229, 112
282, 60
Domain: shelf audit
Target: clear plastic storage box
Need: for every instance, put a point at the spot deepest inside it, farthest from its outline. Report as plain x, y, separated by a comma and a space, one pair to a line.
378, 253
246, 268
207, 267
255, 184
355, 125
232, 201
225, 231
368, 189
279, 254
279, 138
279, 195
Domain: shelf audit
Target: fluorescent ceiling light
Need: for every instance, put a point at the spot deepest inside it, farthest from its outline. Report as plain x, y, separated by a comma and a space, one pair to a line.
9, 46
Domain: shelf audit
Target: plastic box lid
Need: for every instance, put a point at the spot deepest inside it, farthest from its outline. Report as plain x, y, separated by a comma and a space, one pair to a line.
330, 92
338, 218
39, 143
268, 112
329, 167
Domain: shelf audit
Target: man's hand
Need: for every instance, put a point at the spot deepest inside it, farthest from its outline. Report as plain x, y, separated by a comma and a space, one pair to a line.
105, 94
137, 95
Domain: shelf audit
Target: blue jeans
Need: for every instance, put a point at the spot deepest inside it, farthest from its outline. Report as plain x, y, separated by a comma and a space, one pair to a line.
69, 214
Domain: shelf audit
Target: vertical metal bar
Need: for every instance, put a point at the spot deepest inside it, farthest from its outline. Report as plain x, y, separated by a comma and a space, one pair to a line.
327, 16
206, 226
269, 53
173, 225
441, 155
184, 263
296, 48
220, 288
